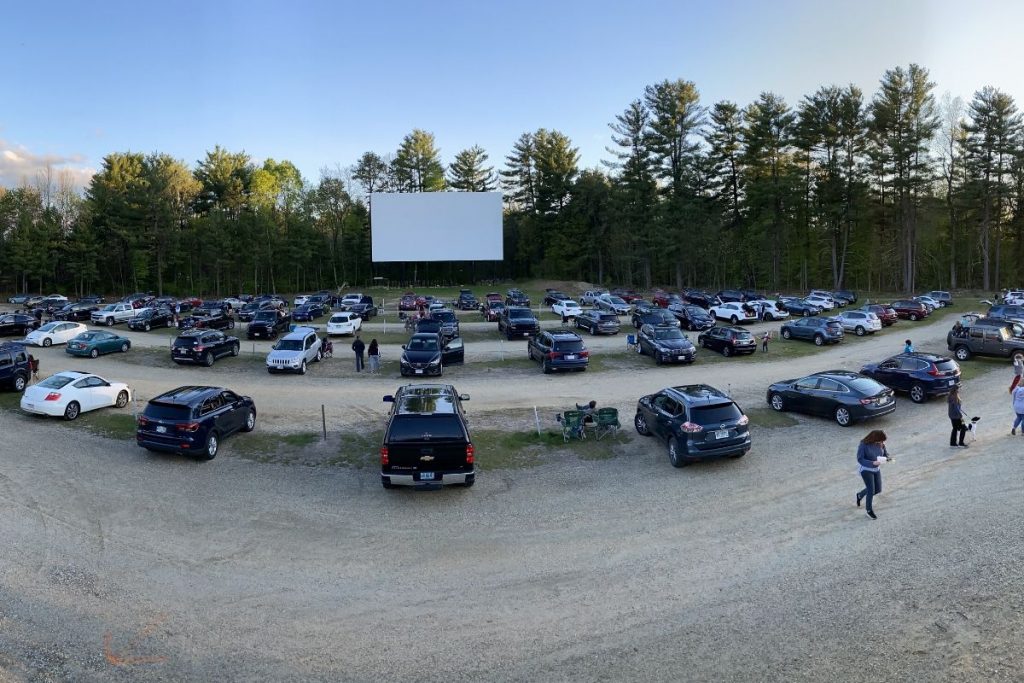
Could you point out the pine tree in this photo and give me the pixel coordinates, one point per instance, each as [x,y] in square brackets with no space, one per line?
[468,173]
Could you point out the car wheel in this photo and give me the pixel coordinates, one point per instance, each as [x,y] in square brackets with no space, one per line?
[913,317]
[843,416]
[545,367]
[675,455]
[110,322]
[124,347]
[860,331]
[819,340]
[806,313]
[1018,357]
[726,351]
[210,451]
[302,369]
[917,394]
[640,422]
[250,421]
[639,349]
[319,355]
[786,334]
[146,327]
[47,342]
[658,360]
[777,402]
[769,317]
[734,320]
[20,382]
[95,353]
[234,349]
[72,410]
[122,399]
[962,353]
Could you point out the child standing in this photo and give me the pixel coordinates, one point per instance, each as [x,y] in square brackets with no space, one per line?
[765,338]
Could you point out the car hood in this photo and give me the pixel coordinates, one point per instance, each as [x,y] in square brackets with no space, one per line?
[416,356]
[35,334]
[284,355]
[673,343]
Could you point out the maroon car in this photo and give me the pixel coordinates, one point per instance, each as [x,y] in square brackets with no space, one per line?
[911,310]
[627,295]
[887,315]
[407,302]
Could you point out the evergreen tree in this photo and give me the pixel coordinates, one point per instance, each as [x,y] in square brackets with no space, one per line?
[468,172]
[417,166]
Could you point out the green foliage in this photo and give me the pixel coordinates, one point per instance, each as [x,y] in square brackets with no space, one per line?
[417,165]
[468,172]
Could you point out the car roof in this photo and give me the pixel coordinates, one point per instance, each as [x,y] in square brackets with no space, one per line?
[73,373]
[413,399]
[930,357]
[563,334]
[837,374]
[187,395]
[299,333]
[698,394]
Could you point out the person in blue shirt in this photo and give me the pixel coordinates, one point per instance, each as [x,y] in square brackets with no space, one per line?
[871,454]
[908,347]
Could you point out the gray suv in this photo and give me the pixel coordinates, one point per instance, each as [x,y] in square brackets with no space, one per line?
[984,340]
[293,352]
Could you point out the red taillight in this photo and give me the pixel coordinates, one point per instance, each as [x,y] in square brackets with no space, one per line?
[384,456]
[934,371]
[553,355]
[199,349]
[866,401]
[188,427]
[52,396]
[584,354]
[143,421]
[691,427]
[469,454]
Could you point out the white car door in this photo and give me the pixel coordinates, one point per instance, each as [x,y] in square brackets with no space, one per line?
[103,395]
[82,393]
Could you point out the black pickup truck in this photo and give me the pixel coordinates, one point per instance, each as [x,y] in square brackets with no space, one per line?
[426,439]
[516,321]
[268,324]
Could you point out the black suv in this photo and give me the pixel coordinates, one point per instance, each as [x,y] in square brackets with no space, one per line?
[426,440]
[76,312]
[449,323]
[665,344]
[692,316]
[654,316]
[517,321]
[148,318]
[17,324]
[697,421]
[267,324]
[14,367]
[558,350]
[249,311]
[193,420]
[726,295]
[728,341]
[467,301]
[516,297]
[203,346]
[922,375]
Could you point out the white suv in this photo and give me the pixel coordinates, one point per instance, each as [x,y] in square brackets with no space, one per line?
[859,322]
[344,323]
[293,352]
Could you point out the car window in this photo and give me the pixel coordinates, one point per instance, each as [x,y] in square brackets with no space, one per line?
[95,382]
[228,397]
[865,385]
[722,412]
[5,360]
[569,346]
[825,384]
[806,383]
[911,364]
[82,383]
[667,405]
[454,344]
[889,365]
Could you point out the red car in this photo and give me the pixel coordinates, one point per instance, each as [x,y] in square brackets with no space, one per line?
[911,310]
[663,299]
[627,295]
[407,302]
[887,315]
[492,308]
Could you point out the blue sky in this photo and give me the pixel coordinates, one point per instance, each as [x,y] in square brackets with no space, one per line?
[319,83]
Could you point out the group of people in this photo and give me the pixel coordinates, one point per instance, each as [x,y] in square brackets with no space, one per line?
[373,351]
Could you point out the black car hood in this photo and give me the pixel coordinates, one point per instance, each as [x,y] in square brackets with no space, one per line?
[417,356]
[673,343]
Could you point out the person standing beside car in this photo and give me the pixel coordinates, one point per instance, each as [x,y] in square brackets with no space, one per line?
[871,453]
[1018,370]
[1018,408]
[358,346]
[374,353]
[955,410]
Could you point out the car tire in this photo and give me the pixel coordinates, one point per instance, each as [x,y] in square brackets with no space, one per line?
[769,317]
[962,353]
[913,317]
[95,353]
[734,320]
[319,354]
[125,346]
[212,446]
[545,367]
[658,360]
[640,423]
[918,394]
[110,322]
[726,351]
[231,324]
[20,382]
[819,340]
[122,399]
[786,334]
[302,368]
[386,483]
[208,359]
[806,313]
[777,403]
[72,411]
[843,417]
[250,422]
[1017,356]
[674,455]
[47,342]
[235,348]
[860,331]
[146,327]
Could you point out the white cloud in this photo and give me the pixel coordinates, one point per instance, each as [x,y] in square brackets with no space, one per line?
[20,166]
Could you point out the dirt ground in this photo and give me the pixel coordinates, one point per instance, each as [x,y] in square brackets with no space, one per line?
[124,565]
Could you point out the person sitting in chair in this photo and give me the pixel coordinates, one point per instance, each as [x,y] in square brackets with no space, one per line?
[588,410]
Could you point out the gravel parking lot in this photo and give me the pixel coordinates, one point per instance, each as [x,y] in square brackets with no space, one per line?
[125,565]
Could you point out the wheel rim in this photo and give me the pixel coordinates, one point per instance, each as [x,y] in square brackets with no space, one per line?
[785,334]
[122,399]
[916,394]
[819,341]
[19,383]
[47,341]
[776,402]
[124,348]
[234,350]
[71,412]
[303,367]
[250,422]
[860,331]
[961,354]
[147,327]
[211,445]
[208,359]
[94,353]
[913,317]
[726,351]
[843,416]
[641,424]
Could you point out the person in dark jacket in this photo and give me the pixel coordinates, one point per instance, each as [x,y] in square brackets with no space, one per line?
[358,346]
[374,353]
[956,418]
[871,454]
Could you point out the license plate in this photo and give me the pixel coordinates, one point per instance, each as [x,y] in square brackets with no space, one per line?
[419,372]
[526,334]
[426,476]
[722,434]
[571,356]
[952,382]
[885,399]
[161,429]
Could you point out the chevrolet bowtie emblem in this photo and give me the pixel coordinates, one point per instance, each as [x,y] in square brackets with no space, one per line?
[426,458]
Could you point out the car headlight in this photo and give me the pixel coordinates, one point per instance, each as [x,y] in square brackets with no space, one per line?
[405,361]
[435,361]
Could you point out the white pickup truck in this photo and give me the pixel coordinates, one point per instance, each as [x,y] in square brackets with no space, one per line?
[114,313]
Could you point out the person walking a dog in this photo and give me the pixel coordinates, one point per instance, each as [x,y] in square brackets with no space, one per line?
[955,410]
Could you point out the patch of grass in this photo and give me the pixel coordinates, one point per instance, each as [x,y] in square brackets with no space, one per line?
[10,400]
[979,366]
[112,425]
[769,419]
[498,450]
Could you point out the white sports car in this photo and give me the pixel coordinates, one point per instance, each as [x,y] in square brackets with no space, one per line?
[69,393]
[567,308]
[57,332]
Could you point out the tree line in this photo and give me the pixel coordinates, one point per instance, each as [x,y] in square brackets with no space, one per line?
[895,192]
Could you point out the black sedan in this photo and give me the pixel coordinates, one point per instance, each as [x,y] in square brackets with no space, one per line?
[17,324]
[700,298]
[665,344]
[798,307]
[427,354]
[76,312]
[845,396]
[307,313]
[203,346]
[728,341]
[692,317]
[364,311]
[922,375]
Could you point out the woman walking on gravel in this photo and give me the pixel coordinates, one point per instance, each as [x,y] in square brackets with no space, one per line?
[374,353]
[871,454]
[955,410]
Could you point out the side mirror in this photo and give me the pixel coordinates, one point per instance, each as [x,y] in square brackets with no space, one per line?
[463,397]
[403,347]
[389,399]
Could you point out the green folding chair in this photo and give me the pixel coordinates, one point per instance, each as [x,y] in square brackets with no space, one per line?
[606,421]
[572,425]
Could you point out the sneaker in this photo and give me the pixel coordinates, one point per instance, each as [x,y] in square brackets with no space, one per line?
[872,514]
[965,445]
[859,497]
[1013,431]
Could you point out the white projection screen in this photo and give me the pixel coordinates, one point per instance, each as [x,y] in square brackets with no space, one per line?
[436,226]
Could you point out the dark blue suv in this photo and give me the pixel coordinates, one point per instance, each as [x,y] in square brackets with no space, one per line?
[14,366]
[194,420]
[922,375]
[558,350]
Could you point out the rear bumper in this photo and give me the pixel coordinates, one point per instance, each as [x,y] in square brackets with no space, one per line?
[440,479]
[42,408]
[869,413]
[694,453]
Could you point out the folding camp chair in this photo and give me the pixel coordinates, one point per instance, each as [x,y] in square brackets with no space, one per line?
[572,425]
[607,420]
[631,342]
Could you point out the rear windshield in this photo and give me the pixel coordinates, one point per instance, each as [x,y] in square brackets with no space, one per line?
[609,317]
[721,412]
[520,313]
[55,381]
[570,346]
[865,385]
[743,336]
[423,344]
[340,319]
[945,365]
[166,411]
[833,324]
[616,300]
[186,341]
[425,427]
